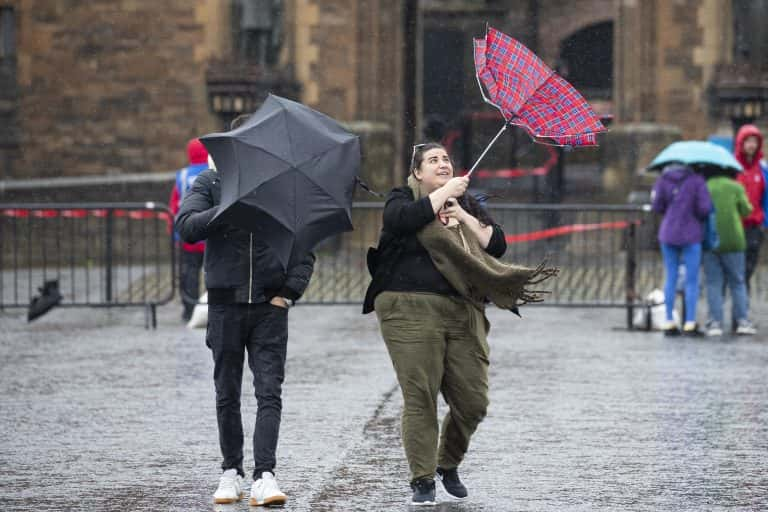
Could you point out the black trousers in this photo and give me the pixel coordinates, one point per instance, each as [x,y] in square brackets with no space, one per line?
[261,331]
[754,237]
[190,264]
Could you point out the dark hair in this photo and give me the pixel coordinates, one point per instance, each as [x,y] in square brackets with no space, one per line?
[239,121]
[711,171]
[418,153]
[471,205]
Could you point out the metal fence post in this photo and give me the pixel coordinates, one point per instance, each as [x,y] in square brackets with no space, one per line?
[631,271]
[109,228]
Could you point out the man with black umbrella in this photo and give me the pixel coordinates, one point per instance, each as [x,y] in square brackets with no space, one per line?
[249,294]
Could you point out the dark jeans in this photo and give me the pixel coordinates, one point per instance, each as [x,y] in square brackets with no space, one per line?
[189,280]
[754,240]
[262,331]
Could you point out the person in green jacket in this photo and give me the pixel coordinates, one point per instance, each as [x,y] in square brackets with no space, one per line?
[726,263]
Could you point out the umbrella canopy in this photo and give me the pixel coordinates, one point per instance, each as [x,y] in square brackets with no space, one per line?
[287,175]
[531,95]
[696,153]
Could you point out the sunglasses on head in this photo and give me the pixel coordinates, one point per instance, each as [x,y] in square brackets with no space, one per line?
[413,154]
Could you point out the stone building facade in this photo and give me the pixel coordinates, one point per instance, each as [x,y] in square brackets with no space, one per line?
[118,86]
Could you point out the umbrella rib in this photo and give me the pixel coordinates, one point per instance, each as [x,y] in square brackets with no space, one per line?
[286,161]
[288,133]
[294,166]
[237,160]
[313,181]
[265,150]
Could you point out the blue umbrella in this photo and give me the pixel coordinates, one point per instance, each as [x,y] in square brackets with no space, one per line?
[696,152]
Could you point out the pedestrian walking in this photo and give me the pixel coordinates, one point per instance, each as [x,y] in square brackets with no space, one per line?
[748,150]
[190,255]
[249,295]
[725,264]
[433,272]
[681,196]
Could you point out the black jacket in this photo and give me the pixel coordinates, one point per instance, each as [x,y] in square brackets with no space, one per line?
[401,263]
[239,268]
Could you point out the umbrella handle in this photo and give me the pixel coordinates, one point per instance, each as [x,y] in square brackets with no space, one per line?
[493,141]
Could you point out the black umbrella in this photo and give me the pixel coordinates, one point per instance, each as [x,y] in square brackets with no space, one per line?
[287,175]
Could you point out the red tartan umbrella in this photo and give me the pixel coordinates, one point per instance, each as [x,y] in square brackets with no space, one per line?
[531,95]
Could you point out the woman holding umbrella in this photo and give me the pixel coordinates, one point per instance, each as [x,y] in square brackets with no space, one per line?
[681,196]
[433,272]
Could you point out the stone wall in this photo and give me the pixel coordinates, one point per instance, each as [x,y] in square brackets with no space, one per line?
[118,86]
[666,53]
[346,56]
[97,189]
[109,85]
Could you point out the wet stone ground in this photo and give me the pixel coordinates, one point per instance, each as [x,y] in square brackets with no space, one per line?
[97,413]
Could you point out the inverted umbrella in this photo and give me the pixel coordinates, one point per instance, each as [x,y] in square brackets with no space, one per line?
[287,175]
[695,153]
[529,94]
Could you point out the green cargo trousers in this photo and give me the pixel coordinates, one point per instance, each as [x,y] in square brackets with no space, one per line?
[437,343]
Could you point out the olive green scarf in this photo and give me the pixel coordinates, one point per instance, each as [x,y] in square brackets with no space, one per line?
[474,273]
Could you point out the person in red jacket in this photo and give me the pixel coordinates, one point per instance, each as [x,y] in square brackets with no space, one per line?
[749,152]
[190,255]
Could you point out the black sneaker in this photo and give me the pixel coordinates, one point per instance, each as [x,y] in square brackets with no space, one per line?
[451,483]
[423,492]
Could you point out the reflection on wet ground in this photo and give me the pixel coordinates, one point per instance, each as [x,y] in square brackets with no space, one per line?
[100,414]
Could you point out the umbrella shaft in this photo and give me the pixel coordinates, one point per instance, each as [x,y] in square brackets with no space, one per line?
[493,141]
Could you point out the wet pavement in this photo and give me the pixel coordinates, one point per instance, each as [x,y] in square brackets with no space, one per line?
[97,413]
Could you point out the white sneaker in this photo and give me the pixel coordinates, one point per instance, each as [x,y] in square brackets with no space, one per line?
[265,491]
[746,327]
[230,487]
[714,329]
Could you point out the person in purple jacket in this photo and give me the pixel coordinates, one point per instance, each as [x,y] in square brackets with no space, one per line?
[681,196]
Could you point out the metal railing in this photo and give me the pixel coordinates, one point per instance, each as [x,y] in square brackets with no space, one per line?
[608,254]
[122,254]
[101,254]
[593,245]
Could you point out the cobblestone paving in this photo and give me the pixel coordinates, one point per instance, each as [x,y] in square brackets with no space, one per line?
[99,414]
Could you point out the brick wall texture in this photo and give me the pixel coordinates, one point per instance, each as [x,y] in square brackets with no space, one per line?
[119,85]
[108,85]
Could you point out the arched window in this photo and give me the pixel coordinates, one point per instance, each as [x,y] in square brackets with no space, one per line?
[586,60]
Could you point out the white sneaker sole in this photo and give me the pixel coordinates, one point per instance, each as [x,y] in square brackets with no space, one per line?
[224,501]
[272,501]
[424,504]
